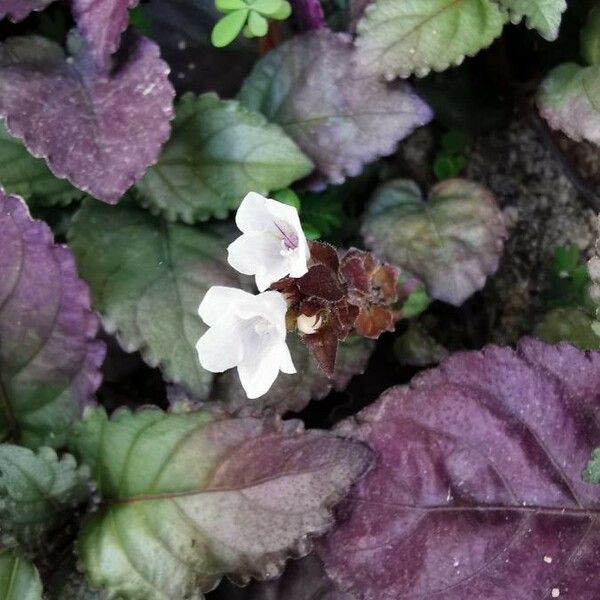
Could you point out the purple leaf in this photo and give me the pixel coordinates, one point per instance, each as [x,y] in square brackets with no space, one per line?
[99,132]
[478,491]
[308,14]
[342,121]
[17,10]
[102,22]
[49,358]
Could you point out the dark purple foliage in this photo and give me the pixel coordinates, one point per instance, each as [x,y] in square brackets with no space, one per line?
[102,22]
[17,10]
[308,14]
[98,131]
[49,357]
[478,493]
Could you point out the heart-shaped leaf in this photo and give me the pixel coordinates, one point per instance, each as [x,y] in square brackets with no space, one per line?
[218,152]
[49,359]
[19,579]
[294,392]
[569,99]
[149,294]
[100,132]
[37,490]
[406,37]
[543,15]
[102,22]
[29,177]
[342,121]
[452,241]
[17,10]
[302,580]
[189,498]
[477,492]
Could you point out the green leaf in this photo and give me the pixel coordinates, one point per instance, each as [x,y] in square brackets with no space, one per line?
[452,241]
[284,12]
[566,259]
[37,491]
[218,152]
[19,579]
[590,38]
[417,348]
[147,279]
[266,7]
[569,99]
[257,24]
[29,177]
[188,498]
[294,392]
[543,15]
[289,197]
[571,324]
[228,28]
[406,37]
[592,471]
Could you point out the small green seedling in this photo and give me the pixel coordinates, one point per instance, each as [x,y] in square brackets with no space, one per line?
[249,16]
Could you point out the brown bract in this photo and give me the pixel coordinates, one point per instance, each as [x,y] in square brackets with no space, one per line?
[354,292]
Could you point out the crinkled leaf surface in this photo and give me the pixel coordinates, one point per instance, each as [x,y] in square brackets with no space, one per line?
[569,99]
[102,22]
[147,279]
[477,492]
[294,392]
[218,152]
[100,132]
[29,177]
[341,120]
[37,490]
[543,15]
[19,579]
[452,241]
[190,498]
[49,358]
[17,10]
[302,580]
[406,37]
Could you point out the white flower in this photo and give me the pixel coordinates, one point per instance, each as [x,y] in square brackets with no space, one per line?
[273,244]
[247,332]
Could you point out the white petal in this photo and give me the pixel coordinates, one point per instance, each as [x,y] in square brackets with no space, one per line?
[220,300]
[252,214]
[286,363]
[219,348]
[269,305]
[298,263]
[252,252]
[257,374]
[270,271]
